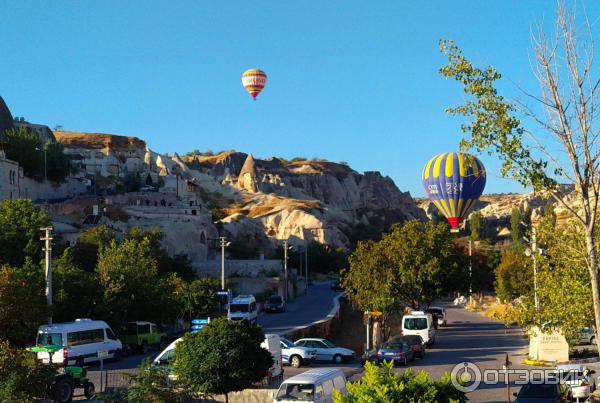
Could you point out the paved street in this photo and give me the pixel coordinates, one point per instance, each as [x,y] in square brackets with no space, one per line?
[305,309]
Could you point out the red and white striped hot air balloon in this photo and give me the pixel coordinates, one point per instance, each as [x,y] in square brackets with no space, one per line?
[254,80]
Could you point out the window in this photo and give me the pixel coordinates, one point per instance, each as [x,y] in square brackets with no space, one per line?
[110,334]
[85,337]
[302,343]
[296,391]
[415,323]
[144,329]
[318,391]
[49,339]
[238,308]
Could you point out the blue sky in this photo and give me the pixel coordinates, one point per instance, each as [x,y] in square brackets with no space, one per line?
[353,81]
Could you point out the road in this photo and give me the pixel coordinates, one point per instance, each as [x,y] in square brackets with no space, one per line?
[468,337]
[305,309]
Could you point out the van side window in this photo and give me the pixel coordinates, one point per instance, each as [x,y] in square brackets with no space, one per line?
[318,391]
[328,387]
[85,337]
[110,334]
[144,329]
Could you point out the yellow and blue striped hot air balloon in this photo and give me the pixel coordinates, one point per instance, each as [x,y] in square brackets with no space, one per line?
[454,181]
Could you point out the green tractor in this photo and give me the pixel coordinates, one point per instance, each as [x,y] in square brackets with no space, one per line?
[68,379]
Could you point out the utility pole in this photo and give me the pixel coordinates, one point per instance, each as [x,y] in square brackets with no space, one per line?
[224,244]
[306,268]
[285,269]
[533,253]
[470,276]
[48,254]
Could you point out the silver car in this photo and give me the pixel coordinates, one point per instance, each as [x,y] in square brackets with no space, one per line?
[587,336]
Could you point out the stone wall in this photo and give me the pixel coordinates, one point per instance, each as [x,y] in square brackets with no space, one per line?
[243,268]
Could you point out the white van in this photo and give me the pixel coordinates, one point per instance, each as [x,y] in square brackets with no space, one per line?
[421,324]
[316,386]
[272,344]
[243,308]
[81,341]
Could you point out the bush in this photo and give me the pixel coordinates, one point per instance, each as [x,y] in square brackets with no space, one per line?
[152,384]
[382,385]
[21,379]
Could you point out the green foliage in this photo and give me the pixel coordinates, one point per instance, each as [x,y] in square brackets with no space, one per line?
[514,275]
[517,230]
[20,223]
[75,291]
[478,226]
[132,288]
[85,251]
[22,302]
[27,148]
[326,259]
[196,298]
[412,265]
[245,247]
[382,385]
[225,357]
[152,384]
[132,182]
[492,128]
[21,380]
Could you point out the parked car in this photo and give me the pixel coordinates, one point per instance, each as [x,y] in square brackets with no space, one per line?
[140,336]
[587,336]
[326,351]
[397,351]
[421,324]
[79,342]
[275,304]
[243,308]
[336,285]
[316,385]
[438,313]
[147,188]
[543,393]
[296,356]
[579,379]
[415,342]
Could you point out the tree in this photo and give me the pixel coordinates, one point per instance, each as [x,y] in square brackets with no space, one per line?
[564,112]
[196,298]
[382,385]
[132,288]
[202,368]
[514,275]
[411,265]
[85,251]
[22,302]
[517,230]
[21,380]
[152,384]
[478,226]
[20,223]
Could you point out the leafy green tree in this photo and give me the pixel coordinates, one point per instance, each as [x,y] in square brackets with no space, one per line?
[132,182]
[382,385]
[132,288]
[21,380]
[517,230]
[75,291]
[478,226]
[411,265]
[202,368]
[514,275]
[58,164]
[152,384]
[86,249]
[567,107]
[196,298]
[22,302]
[20,223]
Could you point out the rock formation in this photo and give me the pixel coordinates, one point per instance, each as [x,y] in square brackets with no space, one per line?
[247,177]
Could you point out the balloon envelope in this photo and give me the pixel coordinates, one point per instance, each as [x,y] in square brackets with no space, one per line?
[454,181]
[254,80]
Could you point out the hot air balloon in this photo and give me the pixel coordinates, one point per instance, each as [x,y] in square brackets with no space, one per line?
[454,181]
[254,80]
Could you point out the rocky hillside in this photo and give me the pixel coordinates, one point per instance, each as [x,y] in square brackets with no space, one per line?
[6,119]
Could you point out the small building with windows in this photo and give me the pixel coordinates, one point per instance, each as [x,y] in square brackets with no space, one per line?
[11,176]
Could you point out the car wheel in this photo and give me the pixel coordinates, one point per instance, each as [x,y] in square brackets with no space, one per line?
[338,359]
[63,390]
[296,361]
[117,356]
[89,390]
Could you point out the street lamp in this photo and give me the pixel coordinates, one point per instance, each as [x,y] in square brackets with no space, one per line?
[286,248]
[531,252]
[223,243]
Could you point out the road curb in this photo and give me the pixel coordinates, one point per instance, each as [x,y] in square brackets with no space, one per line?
[330,316]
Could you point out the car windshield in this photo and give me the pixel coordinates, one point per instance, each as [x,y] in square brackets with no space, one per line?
[276,299]
[415,323]
[287,343]
[539,391]
[49,339]
[328,344]
[435,311]
[238,308]
[296,391]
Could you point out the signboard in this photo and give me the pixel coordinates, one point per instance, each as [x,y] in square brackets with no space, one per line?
[102,354]
[225,296]
[198,324]
[548,346]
